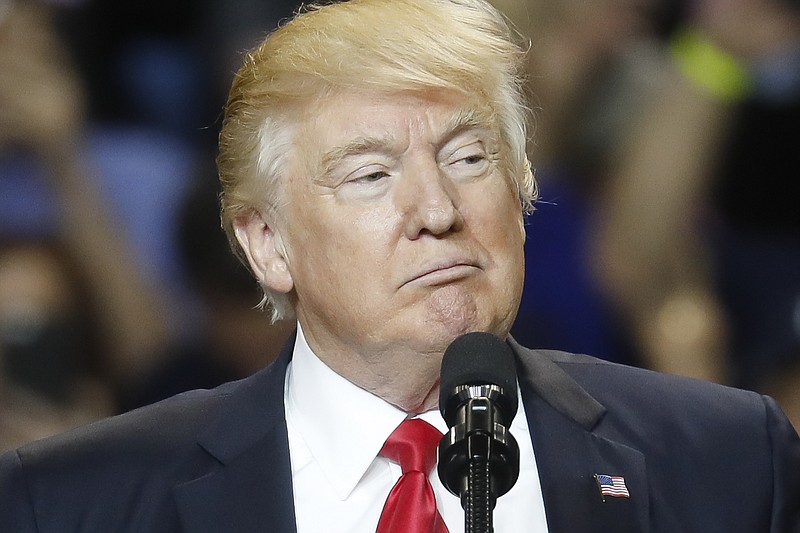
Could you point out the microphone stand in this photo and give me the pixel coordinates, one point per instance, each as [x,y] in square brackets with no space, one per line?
[477,500]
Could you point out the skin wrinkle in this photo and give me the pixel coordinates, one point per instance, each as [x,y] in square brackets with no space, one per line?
[453,308]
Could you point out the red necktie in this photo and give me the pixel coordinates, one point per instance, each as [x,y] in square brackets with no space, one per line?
[411,505]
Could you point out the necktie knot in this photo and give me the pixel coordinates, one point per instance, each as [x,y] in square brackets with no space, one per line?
[413,446]
[411,505]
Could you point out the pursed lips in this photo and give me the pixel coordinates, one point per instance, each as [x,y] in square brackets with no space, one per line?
[442,272]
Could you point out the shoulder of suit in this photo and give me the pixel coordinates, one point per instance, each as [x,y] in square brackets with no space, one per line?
[142,454]
[581,365]
[654,393]
[161,430]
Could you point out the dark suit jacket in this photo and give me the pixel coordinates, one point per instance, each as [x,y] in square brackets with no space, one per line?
[695,457]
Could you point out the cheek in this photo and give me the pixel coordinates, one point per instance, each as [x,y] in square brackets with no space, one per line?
[341,245]
[497,214]
[499,227]
[510,210]
[376,225]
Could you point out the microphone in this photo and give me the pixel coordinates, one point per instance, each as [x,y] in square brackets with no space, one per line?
[478,457]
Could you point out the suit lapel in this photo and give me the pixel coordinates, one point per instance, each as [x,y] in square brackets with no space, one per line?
[568,429]
[250,487]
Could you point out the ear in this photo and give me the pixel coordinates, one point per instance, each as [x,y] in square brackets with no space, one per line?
[263,246]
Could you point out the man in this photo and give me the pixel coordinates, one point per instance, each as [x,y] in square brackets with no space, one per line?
[375,180]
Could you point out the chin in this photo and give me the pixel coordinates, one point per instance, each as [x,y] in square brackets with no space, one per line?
[430,337]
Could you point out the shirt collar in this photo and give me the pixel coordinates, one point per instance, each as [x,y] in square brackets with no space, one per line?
[342,426]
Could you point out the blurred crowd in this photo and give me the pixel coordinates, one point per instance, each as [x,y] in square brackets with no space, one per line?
[665,143]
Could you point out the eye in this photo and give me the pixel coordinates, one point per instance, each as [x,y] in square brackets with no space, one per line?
[366,183]
[469,162]
[370,178]
[472,159]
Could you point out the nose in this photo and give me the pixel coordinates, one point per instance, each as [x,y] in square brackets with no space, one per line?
[429,202]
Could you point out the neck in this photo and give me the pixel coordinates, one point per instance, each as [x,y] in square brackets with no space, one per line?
[409,381]
[405,378]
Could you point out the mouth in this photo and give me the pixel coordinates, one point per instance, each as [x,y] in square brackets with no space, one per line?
[442,273]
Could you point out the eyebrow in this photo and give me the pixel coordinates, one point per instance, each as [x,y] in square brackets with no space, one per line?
[465,119]
[356,146]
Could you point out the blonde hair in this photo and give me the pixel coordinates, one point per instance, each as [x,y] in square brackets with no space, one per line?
[378,45]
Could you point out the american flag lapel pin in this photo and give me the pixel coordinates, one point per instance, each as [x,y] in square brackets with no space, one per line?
[613,486]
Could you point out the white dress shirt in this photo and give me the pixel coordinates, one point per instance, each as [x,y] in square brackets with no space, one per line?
[336,431]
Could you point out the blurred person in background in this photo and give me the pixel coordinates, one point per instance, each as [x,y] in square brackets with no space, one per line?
[582,105]
[235,339]
[668,180]
[106,117]
[210,36]
[157,75]
[62,230]
[697,231]
[52,375]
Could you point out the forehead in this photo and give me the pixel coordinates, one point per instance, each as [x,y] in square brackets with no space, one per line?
[350,119]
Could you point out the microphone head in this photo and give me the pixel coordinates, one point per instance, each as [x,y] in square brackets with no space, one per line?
[478,358]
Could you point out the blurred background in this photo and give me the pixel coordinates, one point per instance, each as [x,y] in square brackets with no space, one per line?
[665,142]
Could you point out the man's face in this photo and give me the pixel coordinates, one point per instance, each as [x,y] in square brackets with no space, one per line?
[400,231]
